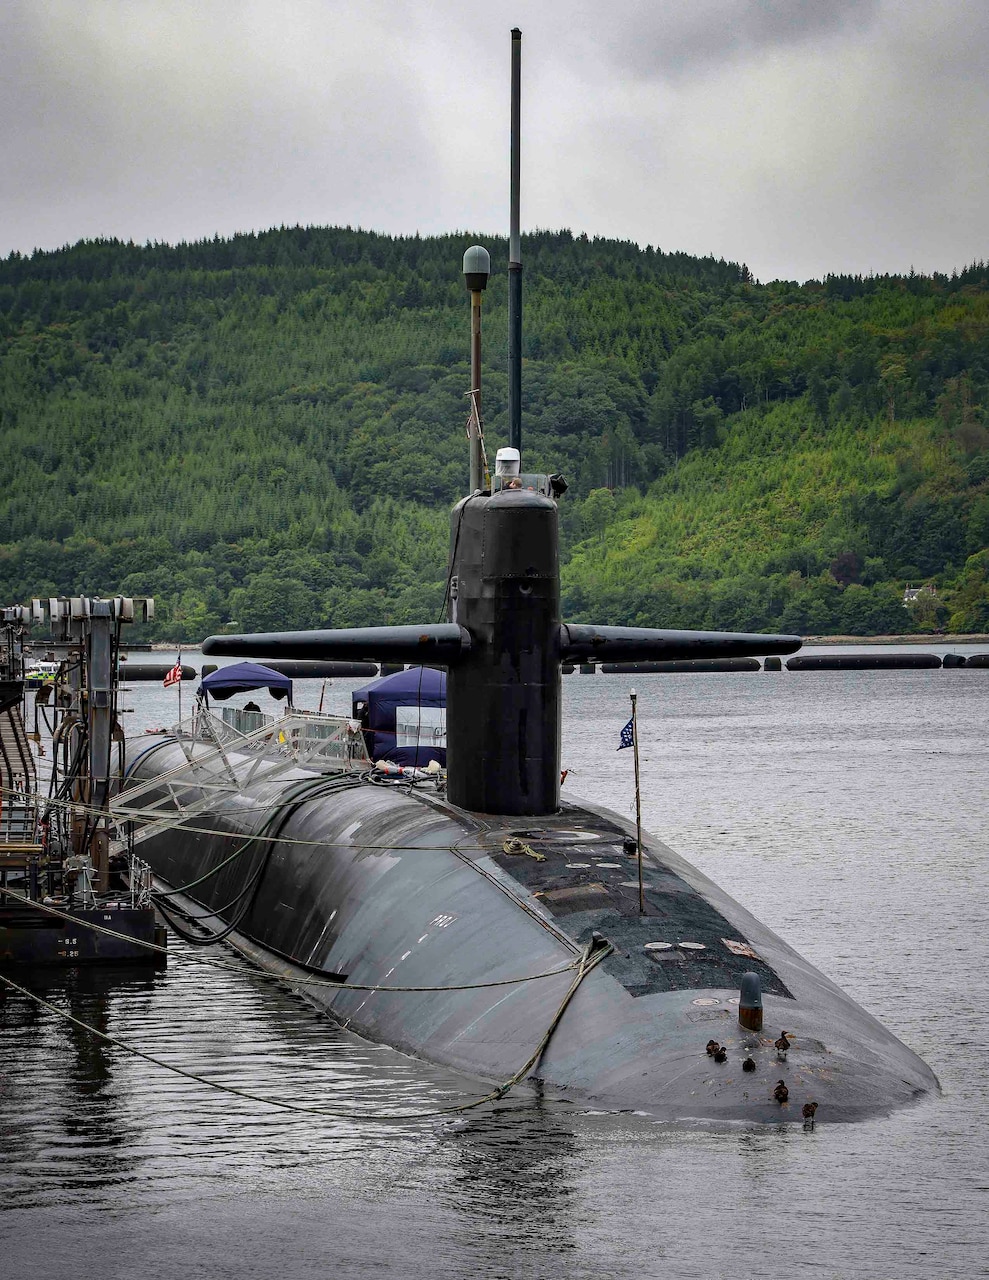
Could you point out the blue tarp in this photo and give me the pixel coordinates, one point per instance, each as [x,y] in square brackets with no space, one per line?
[242,677]
[419,686]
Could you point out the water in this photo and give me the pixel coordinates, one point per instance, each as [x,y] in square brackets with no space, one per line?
[844,808]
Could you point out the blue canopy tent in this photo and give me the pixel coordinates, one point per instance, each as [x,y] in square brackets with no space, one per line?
[243,677]
[403,716]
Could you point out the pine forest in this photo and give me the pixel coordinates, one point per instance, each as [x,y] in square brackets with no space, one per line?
[268,432]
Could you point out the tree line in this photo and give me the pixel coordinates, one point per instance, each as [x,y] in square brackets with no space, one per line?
[268,430]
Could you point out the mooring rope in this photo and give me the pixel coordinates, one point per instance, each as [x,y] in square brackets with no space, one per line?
[595,951]
[179,822]
[285,979]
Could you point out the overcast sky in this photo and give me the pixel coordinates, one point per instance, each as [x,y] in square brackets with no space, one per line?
[798,136]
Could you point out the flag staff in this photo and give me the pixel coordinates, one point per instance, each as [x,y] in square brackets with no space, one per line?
[175,676]
[638,802]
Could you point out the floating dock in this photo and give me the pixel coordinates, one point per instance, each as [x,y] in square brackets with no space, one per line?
[63,898]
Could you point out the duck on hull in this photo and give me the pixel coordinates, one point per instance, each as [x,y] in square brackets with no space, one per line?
[376,887]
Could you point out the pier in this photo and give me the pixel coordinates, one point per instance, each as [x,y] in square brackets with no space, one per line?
[64,899]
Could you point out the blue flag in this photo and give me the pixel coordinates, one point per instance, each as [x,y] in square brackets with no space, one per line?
[627,739]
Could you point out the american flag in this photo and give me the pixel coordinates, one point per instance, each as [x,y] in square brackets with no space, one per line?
[174,676]
[628,736]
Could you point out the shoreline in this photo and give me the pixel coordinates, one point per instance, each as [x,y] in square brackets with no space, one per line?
[975,638]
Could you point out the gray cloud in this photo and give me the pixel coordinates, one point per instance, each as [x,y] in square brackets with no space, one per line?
[192,121]
[800,137]
[686,39]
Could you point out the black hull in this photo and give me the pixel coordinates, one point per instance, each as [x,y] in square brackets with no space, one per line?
[383,888]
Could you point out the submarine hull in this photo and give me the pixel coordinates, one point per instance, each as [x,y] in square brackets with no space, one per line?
[375,886]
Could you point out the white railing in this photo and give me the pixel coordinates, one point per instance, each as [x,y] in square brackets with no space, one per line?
[308,737]
[139,878]
[220,763]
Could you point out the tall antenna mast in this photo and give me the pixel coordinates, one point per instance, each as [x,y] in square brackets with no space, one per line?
[477,268]
[515,259]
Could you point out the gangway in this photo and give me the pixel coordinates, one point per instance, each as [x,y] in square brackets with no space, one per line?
[209,775]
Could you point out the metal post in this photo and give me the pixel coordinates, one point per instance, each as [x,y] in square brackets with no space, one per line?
[477,268]
[515,258]
[100,712]
[476,459]
[750,1002]
[638,803]
[79,789]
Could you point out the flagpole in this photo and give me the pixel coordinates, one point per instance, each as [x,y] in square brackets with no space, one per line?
[638,804]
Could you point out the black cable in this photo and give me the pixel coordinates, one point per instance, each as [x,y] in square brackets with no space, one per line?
[311,789]
[332,784]
[68,768]
[197,940]
[182,889]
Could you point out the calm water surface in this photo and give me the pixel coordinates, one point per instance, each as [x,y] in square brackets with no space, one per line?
[846,809]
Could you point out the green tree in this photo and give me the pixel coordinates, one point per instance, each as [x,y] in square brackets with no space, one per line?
[598,512]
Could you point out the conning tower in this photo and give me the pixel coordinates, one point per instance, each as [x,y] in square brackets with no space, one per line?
[503,705]
[504,642]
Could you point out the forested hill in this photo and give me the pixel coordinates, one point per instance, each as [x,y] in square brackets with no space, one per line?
[268,432]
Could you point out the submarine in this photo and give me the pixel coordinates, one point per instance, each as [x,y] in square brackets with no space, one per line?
[488,925]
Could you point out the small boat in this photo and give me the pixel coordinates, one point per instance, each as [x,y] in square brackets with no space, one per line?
[37,674]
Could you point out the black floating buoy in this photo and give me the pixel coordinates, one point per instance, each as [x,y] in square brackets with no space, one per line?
[977,660]
[750,1002]
[154,671]
[681,664]
[864,662]
[772,664]
[587,668]
[953,660]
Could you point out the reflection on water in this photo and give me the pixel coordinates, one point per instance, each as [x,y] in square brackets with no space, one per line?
[72,1093]
[846,809]
[517,1175]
